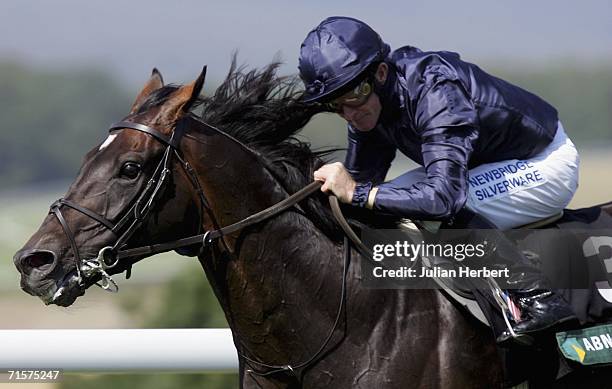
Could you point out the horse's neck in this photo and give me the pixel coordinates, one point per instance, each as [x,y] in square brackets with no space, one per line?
[234,181]
[276,263]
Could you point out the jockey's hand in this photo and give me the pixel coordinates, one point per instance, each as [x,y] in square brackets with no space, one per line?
[337,180]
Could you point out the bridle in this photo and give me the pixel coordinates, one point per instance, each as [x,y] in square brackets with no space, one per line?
[136,214]
[108,257]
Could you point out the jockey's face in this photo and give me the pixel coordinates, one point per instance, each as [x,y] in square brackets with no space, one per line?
[365,116]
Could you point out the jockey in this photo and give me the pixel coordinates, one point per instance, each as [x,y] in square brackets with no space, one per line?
[485,146]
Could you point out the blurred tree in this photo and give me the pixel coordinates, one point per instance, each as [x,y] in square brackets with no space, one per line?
[581,94]
[50,120]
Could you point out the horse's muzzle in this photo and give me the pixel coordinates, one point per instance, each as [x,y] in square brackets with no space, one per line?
[40,275]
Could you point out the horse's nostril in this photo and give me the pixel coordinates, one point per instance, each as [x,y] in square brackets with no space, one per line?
[40,260]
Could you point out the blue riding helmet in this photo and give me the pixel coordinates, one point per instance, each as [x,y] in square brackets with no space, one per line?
[335,53]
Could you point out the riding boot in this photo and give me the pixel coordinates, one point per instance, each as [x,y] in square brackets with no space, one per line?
[527,288]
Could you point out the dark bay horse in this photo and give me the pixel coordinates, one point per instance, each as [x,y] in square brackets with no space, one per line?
[279,282]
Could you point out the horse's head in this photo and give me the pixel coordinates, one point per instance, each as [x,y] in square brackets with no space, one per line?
[128,188]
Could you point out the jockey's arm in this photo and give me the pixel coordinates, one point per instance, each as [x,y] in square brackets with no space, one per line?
[444,190]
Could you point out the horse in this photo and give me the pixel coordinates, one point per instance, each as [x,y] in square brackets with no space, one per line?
[292,296]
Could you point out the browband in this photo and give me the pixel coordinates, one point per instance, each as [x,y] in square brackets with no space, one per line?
[172,142]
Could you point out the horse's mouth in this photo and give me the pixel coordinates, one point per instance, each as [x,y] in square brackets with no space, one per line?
[67,291]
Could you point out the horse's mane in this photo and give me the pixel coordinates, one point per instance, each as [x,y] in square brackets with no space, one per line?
[263,111]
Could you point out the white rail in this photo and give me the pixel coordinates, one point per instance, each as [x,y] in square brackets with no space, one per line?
[167,350]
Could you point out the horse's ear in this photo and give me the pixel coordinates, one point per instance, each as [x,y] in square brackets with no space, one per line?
[155,82]
[196,89]
[184,98]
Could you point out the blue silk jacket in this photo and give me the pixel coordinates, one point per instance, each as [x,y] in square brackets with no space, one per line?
[449,116]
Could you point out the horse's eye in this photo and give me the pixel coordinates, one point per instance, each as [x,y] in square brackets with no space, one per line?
[130,170]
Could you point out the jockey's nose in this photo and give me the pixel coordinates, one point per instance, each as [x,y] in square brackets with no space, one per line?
[41,262]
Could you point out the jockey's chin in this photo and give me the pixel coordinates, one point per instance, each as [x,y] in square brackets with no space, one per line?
[365,123]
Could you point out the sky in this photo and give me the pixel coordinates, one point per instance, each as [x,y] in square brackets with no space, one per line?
[129,38]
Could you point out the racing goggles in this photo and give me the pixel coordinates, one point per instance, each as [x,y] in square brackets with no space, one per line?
[354,98]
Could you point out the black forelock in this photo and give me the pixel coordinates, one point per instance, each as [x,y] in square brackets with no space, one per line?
[264,111]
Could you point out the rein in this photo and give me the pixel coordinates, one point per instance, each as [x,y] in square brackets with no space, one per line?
[211,235]
[110,256]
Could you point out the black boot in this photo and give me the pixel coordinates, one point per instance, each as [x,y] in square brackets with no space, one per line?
[540,308]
